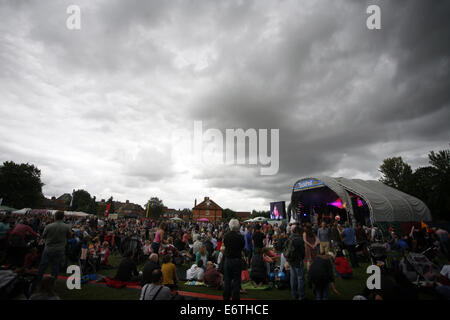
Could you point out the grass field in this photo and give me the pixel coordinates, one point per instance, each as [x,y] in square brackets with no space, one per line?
[347,288]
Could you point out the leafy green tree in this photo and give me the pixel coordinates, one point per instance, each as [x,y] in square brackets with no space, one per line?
[112,209]
[439,193]
[156,207]
[431,184]
[228,214]
[264,214]
[101,208]
[397,174]
[186,212]
[20,185]
[82,201]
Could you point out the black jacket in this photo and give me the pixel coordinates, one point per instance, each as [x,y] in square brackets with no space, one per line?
[299,253]
[126,270]
[147,272]
[320,272]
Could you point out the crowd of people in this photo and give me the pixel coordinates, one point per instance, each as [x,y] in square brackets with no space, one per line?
[220,255]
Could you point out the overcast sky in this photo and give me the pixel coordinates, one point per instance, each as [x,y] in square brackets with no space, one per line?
[96,108]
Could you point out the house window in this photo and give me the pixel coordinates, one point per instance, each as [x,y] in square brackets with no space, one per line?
[207,212]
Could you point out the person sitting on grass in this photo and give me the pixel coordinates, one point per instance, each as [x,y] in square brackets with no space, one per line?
[155,290]
[202,254]
[195,272]
[127,271]
[150,265]
[169,272]
[45,290]
[146,249]
[104,255]
[342,265]
[212,277]
[258,274]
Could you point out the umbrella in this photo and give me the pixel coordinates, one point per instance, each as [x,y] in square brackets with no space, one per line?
[260,219]
[202,220]
[176,219]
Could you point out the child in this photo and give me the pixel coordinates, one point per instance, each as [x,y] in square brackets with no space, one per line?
[104,254]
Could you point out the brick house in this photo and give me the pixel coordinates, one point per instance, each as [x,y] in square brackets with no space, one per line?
[243,215]
[207,209]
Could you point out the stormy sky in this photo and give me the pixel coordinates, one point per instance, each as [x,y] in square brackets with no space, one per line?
[98,108]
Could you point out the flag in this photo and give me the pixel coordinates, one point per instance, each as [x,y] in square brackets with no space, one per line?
[148,208]
[107,209]
[71,200]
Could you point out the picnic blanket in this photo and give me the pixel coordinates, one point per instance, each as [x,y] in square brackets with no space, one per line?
[114,283]
[195,283]
[249,286]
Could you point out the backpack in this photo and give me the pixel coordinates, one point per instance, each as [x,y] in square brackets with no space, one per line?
[289,250]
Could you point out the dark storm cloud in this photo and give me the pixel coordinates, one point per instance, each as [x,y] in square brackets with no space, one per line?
[336,89]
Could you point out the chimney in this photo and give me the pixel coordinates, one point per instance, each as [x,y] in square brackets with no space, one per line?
[127,202]
[195,203]
[206,198]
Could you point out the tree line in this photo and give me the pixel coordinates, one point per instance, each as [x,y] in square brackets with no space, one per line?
[431,183]
[21,187]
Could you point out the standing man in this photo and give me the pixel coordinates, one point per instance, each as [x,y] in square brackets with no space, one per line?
[349,237]
[323,233]
[56,236]
[234,246]
[258,237]
[294,253]
[249,243]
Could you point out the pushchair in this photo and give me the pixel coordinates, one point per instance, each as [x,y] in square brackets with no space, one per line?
[426,271]
[378,254]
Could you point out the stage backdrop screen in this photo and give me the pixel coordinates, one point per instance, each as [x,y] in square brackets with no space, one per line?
[278,210]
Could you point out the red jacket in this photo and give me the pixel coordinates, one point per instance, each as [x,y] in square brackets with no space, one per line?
[342,265]
[22,230]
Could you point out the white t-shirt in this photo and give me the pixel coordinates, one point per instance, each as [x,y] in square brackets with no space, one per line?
[195,273]
[445,272]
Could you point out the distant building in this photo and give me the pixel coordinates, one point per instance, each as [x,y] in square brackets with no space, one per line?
[171,213]
[243,215]
[207,209]
[129,209]
[61,203]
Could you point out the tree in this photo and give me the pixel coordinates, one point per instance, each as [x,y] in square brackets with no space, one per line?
[228,214]
[264,214]
[20,185]
[82,201]
[112,209]
[397,174]
[430,184]
[156,207]
[439,196]
[186,212]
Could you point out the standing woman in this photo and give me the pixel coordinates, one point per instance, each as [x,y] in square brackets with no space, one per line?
[159,237]
[311,243]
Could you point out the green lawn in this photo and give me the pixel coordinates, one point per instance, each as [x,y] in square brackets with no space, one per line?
[347,288]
